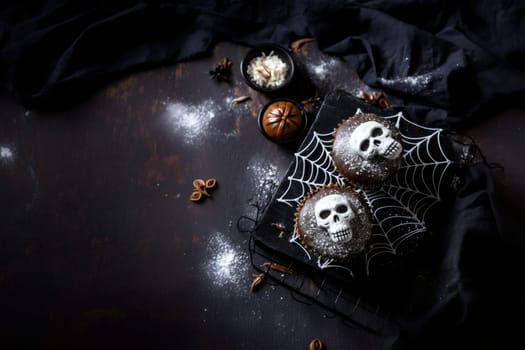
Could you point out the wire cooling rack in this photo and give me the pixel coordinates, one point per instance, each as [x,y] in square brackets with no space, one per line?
[401,210]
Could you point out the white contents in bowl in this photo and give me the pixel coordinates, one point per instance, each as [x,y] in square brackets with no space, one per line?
[267,70]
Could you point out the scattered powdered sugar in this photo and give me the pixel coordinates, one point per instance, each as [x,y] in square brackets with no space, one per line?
[410,83]
[6,153]
[323,68]
[264,177]
[228,263]
[328,73]
[231,106]
[192,122]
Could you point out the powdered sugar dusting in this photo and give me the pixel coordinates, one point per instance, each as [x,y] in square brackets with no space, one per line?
[409,83]
[228,263]
[264,177]
[323,68]
[328,73]
[237,107]
[195,123]
[192,122]
[6,154]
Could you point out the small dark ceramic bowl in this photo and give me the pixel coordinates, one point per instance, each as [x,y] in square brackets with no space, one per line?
[267,49]
[297,134]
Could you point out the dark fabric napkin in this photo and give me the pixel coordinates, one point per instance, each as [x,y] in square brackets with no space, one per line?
[445,59]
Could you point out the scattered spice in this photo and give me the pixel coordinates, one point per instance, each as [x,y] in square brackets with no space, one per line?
[277,267]
[310,103]
[296,44]
[257,281]
[240,99]
[376,97]
[280,227]
[195,196]
[201,187]
[259,278]
[315,344]
[311,100]
[454,184]
[222,70]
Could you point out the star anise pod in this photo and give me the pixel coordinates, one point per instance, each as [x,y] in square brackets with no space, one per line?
[222,70]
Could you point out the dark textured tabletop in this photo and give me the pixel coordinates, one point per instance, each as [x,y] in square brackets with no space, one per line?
[100,246]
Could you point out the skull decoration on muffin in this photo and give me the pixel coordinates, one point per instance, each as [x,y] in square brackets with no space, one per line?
[334,222]
[367,149]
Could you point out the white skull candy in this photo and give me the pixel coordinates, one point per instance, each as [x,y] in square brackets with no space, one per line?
[333,213]
[372,138]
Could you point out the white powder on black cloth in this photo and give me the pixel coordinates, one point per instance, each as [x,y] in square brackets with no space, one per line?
[324,68]
[410,83]
[330,72]
[264,177]
[6,154]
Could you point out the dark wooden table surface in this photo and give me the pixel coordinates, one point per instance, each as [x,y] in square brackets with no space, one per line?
[100,246]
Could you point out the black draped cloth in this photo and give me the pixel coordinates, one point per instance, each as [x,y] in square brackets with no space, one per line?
[446,61]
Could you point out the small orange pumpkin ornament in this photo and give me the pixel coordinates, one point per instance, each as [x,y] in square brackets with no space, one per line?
[282,120]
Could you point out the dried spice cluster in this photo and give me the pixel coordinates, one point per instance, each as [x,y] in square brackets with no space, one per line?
[201,187]
[223,70]
[259,278]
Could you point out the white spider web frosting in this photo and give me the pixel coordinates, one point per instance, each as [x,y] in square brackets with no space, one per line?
[399,207]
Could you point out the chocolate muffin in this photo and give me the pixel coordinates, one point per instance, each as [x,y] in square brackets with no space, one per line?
[334,222]
[282,120]
[367,149]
